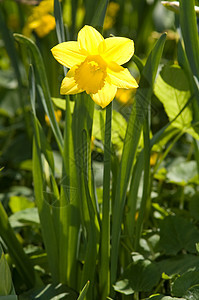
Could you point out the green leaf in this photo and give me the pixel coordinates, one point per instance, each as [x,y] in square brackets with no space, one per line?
[173,91]
[192,293]
[162,297]
[42,85]
[5,276]
[185,282]
[175,6]
[15,249]
[28,216]
[183,173]
[51,292]
[83,291]
[176,234]
[178,264]
[59,21]
[194,206]
[134,127]
[149,275]
[189,29]
[99,15]
[18,203]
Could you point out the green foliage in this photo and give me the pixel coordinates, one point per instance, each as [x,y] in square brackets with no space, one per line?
[100,204]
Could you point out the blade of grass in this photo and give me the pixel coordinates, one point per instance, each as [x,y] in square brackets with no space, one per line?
[135,124]
[104,271]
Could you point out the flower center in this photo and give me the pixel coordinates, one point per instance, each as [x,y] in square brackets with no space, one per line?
[90,75]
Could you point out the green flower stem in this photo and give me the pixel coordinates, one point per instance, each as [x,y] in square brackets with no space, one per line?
[105,230]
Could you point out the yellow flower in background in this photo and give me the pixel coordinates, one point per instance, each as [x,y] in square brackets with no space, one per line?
[41,21]
[95,65]
[58,115]
[111,14]
[124,96]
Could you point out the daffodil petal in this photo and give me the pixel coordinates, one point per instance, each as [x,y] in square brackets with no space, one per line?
[117,49]
[69,85]
[89,39]
[68,54]
[104,96]
[121,77]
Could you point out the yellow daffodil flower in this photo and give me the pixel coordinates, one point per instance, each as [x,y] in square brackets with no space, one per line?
[95,65]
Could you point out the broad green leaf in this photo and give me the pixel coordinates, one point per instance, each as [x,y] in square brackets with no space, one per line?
[18,203]
[173,91]
[194,206]
[162,297]
[182,173]
[185,282]
[192,293]
[28,216]
[178,264]
[176,234]
[149,275]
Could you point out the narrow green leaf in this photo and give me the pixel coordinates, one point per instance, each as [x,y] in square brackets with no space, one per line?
[59,25]
[42,85]
[189,29]
[135,124]
[16,251]
[83,291]
[59,21]
[44,209]
[99,15]
[5,275]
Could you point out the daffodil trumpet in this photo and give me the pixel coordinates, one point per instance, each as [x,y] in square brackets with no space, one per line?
[95,65]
